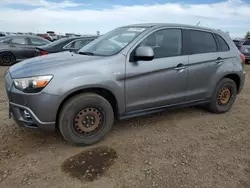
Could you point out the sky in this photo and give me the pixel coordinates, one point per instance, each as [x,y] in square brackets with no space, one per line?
[89,16]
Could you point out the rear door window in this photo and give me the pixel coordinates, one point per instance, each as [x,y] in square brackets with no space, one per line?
[38,42]
[202,42]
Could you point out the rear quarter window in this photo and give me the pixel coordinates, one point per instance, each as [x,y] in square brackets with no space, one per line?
[223,46]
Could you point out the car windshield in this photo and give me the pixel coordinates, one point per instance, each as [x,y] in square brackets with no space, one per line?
[112,42]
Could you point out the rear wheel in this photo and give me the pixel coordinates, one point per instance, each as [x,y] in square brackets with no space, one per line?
[247,61]
[7,59]
[85,119]
[223,96]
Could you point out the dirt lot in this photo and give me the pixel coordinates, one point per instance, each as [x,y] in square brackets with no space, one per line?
[181,148]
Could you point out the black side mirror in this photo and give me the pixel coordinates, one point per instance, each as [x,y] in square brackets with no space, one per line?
[144,53]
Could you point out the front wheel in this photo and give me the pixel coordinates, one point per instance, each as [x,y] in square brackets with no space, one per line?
[223,96]
[85,119]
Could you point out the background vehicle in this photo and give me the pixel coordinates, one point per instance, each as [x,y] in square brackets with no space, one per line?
[2,34]
[130,71]
[65,44]
[45,36]
[238,42]
[52,35]
[245,49]
[17,48]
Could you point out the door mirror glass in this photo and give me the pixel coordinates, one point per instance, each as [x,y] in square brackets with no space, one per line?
[144,53]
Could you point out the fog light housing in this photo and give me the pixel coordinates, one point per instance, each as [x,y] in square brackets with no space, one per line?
[26,114]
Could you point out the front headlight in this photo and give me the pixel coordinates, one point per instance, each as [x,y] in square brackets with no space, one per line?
[32,84]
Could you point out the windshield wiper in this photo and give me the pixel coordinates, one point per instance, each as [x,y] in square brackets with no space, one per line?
[86,53]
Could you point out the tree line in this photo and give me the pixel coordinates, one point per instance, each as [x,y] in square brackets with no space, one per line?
[247,35]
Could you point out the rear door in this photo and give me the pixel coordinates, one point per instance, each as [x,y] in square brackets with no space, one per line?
[204,60]
[35,42]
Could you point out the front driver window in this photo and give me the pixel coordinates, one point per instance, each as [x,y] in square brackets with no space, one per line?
[18,40]
[165,43]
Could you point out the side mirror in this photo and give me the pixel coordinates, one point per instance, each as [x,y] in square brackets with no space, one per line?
[144,53]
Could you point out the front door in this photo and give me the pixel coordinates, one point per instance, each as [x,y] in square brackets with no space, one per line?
[162,81]
[21,47]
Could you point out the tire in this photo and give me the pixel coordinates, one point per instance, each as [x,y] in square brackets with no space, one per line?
[247,61]
[7,59]
[216,106]
[72,129]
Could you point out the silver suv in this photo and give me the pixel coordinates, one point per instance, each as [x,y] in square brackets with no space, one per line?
[130,71]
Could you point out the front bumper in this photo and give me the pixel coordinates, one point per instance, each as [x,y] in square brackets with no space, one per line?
[24,117]
[31,110]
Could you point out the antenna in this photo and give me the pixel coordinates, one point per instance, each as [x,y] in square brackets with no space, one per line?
[198,23]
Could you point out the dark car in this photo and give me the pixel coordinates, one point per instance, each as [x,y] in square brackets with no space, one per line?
[17,48]
[245,49]
[2,34]
[65,44]
[238,43]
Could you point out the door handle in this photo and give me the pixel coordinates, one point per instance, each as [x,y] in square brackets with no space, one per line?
[219,60]
[180,67]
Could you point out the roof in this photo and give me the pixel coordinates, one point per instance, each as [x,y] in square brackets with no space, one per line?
[82,37]
[169,25]
[34,36]
[88,36]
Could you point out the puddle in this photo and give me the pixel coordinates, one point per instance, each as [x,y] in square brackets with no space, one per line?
[91,164]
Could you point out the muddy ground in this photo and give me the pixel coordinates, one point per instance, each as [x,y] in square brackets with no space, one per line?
[182,148]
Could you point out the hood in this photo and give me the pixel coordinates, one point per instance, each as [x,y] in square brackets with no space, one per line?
[48,63]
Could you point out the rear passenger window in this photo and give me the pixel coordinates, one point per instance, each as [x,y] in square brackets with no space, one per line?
[222,43]
[202,42]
